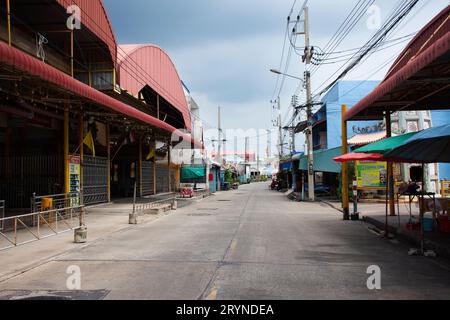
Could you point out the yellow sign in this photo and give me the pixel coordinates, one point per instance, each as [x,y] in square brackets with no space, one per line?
[371,174]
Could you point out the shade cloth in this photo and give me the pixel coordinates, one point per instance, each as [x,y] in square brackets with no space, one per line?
[428,146]
[385,145]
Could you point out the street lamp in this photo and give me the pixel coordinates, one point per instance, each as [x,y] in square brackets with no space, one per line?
[285,74]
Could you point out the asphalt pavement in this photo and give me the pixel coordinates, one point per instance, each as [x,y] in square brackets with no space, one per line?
[251,243]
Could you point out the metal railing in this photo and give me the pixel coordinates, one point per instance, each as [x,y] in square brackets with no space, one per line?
[142,207]
[57,201]
[27,228]
[2,213]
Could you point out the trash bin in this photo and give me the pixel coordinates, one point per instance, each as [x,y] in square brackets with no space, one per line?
[428,224]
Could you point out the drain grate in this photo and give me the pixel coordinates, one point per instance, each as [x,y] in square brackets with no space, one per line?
[207,209]
[199,215]
[224,200]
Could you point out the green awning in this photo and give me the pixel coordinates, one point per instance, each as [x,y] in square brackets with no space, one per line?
[386,145]
[323,161]
[193,172]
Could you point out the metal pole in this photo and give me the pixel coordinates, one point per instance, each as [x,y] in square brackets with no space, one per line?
[345,185]
[72,53]
[8,13]
[140,167]
[157,106]
[108,155]
[81,147]
[219,137]
[134,197]
[280,131]
[168,163]
[257,155]
[66,151]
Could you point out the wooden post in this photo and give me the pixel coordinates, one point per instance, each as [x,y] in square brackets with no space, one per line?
[345,182]
[108,155]
[390,170]
[66,151]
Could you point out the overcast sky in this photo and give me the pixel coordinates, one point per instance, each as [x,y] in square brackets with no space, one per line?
[223,49]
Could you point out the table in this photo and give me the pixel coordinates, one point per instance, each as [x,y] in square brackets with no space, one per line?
[418,195]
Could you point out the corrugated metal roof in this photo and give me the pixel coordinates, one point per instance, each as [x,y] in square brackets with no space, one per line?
[419,77]
[362,139]
[95,18]
[147,64]
[35,67]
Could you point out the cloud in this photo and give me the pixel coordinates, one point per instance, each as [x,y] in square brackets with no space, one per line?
[223,49]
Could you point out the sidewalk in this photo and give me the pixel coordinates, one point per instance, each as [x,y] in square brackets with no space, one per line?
[375,214]
[102,221]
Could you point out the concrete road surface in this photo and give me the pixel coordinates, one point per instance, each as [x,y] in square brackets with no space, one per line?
[247,244]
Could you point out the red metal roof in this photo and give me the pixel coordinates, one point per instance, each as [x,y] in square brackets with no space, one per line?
[418,80]
[95,18]
[146,64]
[29,64]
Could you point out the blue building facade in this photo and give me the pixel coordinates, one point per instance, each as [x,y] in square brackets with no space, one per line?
[440,118]
[327,133]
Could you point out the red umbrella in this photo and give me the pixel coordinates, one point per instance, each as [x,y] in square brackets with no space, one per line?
[360,157]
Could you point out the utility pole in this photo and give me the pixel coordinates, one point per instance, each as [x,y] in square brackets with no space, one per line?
[257,154]
[219,137]
[235,149]
[280,130]
[246,156]
[309,133]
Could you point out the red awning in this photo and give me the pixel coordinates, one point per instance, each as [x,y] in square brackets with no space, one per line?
[418,80]
[35,67]
[359,157]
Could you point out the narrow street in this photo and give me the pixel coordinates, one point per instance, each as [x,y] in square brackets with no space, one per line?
[247,244]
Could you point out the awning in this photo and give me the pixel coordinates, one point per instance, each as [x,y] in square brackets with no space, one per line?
[363,139]
[287,166]
[33,66]
[428,146]
[297,156]
[193,172]
[386,145]
[359,157]
[418,80]
[323,161]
